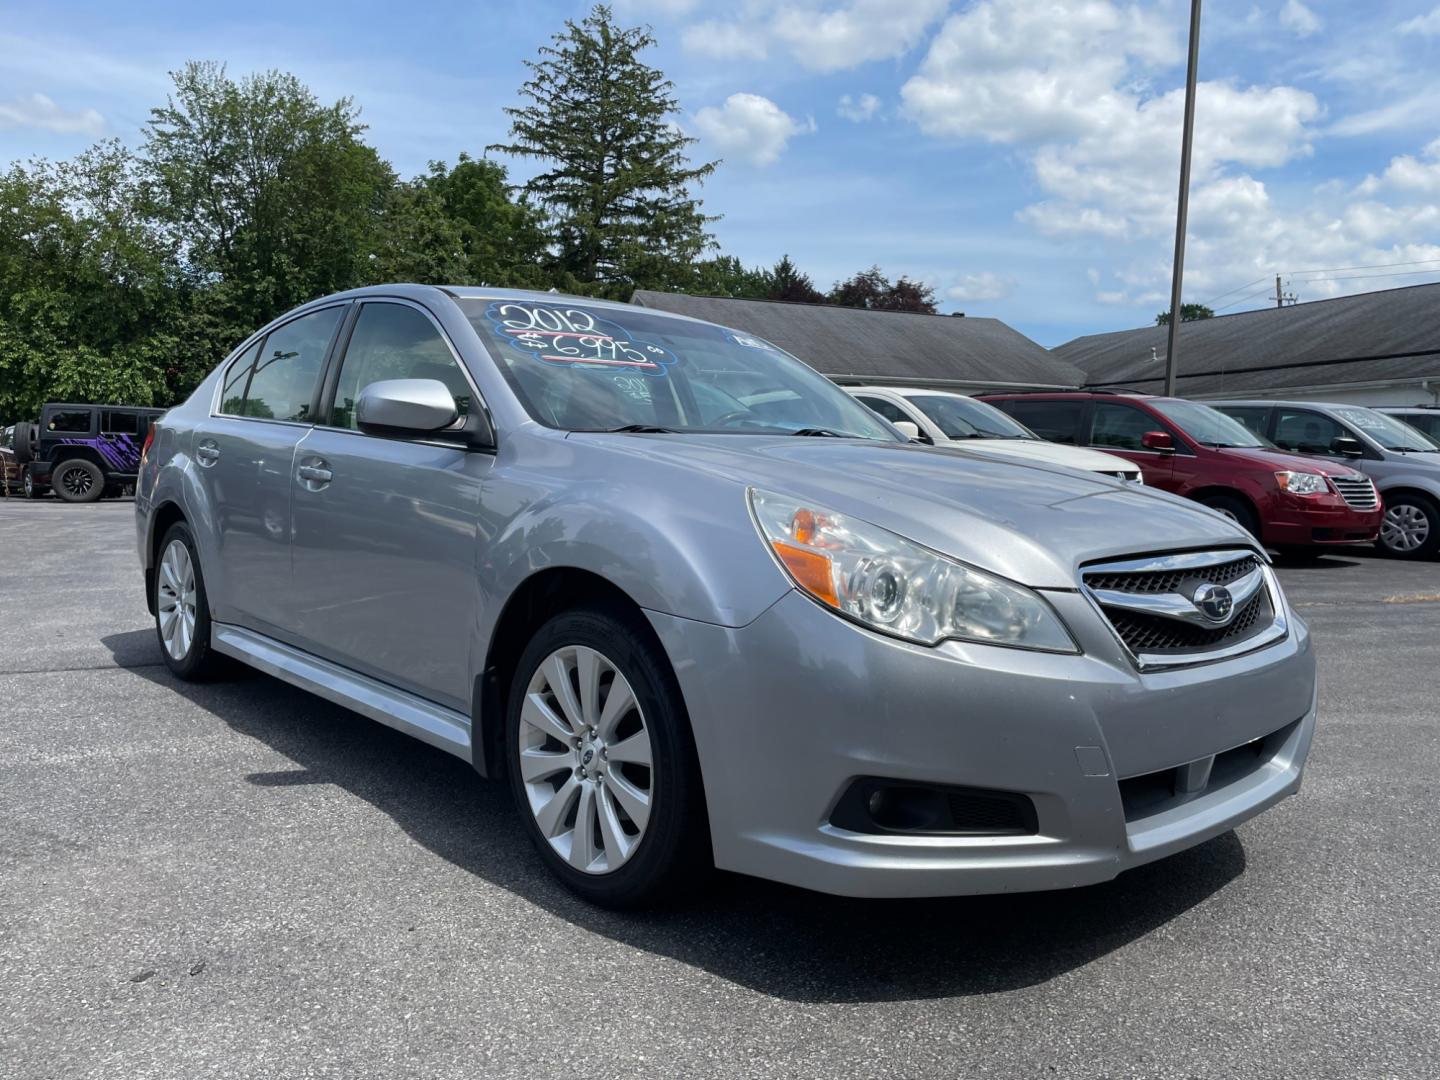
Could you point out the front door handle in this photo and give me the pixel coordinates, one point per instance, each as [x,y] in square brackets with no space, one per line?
[315,474]
[207,452]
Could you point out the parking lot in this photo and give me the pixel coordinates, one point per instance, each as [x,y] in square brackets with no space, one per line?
[239,879]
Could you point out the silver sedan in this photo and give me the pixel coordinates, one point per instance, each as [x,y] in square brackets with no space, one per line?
[700,608]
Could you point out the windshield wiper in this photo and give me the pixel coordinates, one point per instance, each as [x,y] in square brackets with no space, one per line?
[827,433]
[637,429]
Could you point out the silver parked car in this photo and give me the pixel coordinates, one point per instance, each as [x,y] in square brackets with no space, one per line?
[702,608]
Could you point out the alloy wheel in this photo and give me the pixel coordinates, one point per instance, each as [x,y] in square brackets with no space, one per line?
[585,759]
[175,600]
[1406,527]
[77,481]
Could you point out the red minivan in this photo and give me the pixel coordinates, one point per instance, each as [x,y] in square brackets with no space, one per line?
[1196,451]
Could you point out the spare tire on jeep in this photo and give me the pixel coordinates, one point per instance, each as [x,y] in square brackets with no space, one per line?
[26,436]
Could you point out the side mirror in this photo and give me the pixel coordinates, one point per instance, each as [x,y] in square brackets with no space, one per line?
[417,407]
[1158,440]
[908,428]
[1346,446]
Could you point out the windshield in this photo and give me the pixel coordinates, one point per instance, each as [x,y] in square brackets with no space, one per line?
[966,418]
[1390,433]
[584,368]
[1207,426]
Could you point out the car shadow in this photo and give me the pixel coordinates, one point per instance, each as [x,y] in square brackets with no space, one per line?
[777,940]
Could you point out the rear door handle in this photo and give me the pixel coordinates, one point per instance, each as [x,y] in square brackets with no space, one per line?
[207,452]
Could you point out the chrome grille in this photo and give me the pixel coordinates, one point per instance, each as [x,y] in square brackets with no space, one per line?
[1166,609]
[1358,492]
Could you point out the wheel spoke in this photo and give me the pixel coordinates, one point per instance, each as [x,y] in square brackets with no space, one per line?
[588,668]
[538,714]
[617,844]
[619,702]
[558,676]
[582,838]
[167,572]
[635,801]
[536,765]
[551,815]
[635,750]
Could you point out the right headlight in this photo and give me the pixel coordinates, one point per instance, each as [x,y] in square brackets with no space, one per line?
[894,585]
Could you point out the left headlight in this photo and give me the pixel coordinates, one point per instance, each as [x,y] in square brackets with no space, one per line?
[1301,483]
[896,586]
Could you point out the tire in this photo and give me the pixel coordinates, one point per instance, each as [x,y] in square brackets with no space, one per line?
[192,659]
[24,444]
[1237,510]
[647,838]
[27,485]
[76,480]
[1411,527]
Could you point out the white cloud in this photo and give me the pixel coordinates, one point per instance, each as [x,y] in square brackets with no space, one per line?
[38,111]
[1019,71]
[858,109]
[1299,19]
[819,37]
[1427,25]
[985,285]
[750,128]
[1408,173]
[724,41]
[667,8]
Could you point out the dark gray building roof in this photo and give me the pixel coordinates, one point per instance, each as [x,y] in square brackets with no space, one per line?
[873,346]
[1383,336]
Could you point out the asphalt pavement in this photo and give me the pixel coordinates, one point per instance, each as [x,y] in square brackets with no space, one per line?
[238,879]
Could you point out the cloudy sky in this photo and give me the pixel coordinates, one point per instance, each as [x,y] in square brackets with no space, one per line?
[1019,155]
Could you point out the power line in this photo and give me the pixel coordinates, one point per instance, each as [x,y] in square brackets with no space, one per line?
[1364,277]
[1329,270]
[1372,266]
[1263,292]
[1247,285]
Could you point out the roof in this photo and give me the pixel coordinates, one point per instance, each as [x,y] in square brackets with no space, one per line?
[1381,336]
[853,343]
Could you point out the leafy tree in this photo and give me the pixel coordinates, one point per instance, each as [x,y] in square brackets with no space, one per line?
[86,285]
[725,275]
[273,196]
[1188,313]
[787,282]
[502,237]
[617,180]
[417,240]
[871,289]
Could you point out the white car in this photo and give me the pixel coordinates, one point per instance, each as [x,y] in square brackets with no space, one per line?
[939,417]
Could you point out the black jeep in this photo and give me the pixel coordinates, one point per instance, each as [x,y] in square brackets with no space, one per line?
[81,452]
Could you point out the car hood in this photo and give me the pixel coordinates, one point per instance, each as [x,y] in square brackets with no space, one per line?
[1278,459]
[1031,523]
[1072,457]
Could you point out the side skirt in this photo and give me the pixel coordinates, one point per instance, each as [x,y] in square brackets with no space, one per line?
[426,721]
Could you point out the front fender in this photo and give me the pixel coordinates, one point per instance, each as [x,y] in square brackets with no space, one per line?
[704,569]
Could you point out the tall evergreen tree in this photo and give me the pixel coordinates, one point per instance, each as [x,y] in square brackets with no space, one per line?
[788,282]
[617,179]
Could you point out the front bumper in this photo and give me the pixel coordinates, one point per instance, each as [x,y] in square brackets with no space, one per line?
[790,709]
[1321,521]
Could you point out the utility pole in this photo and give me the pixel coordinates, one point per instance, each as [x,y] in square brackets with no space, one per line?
[1182,209]
[1281,297]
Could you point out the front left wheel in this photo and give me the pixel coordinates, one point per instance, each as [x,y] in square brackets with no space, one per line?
[602,763]
[182,612]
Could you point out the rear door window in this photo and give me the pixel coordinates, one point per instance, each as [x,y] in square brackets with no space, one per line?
[279,383]
[72,421]
[1058,421]
[120,423]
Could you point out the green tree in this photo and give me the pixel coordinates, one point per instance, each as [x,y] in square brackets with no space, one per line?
[417,240]
[1188,313]
[273,196]
[87,287]
[787,282]
[502,236]
[725,275]
[616,179]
